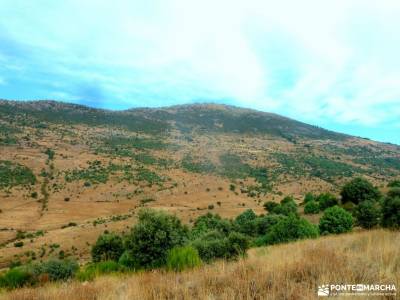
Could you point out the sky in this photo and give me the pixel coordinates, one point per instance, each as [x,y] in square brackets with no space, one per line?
[334,64]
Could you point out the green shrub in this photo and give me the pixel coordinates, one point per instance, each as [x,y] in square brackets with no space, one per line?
[86,274]
[153,236]
[289,229]
[181,258]
[349,206]
[368,214]
[287,207]
[264,223]
[13,174]
[105,267]
[270,206]
[311,207]
[308,197]
[90,271]
[209,222]
[394,183]
[19,244]
[214,245]
[394,192]
[50,153]
[127,260]
[391,212]
[57,269]
[108,247]
[16,278]
[326,200]
[211,245]
[359,190]
[335,220]
[245,222]
[237,244]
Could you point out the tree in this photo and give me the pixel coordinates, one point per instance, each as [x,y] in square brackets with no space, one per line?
[264,223]
[391,212]
[245,222]
[311,207]
[212,245]
[368,214]
[359,190]
[394,183]
[209,222]
[270,205]
[153,236]
[308,197]
[215,245]
[286,207]
[108,247]
[326,200]
[290,228]
[394,192]
[335,220]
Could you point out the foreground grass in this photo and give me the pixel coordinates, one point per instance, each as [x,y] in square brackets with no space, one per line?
[289,271]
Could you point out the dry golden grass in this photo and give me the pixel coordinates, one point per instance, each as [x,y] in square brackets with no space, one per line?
[290,271]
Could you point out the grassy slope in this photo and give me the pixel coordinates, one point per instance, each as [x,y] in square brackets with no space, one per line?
[290,271]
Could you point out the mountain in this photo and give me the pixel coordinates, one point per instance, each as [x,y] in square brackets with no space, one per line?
[68,172]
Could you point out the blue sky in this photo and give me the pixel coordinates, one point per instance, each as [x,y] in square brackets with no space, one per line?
[335,64]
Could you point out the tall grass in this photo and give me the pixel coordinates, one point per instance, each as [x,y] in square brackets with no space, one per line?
[182,258]
[287,271]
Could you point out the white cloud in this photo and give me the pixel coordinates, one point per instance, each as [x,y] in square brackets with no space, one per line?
[342,55]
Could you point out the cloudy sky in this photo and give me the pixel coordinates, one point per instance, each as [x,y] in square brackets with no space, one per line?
[334,63]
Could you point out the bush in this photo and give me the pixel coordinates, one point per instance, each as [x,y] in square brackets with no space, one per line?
[308,197]
[359,190]
[391,212]
[270,205]
[288,229]
[237,245]
[211,246]
[368,214]
[107,247]
[19,244]
[16,278]
[311,207]
[105,267]
[326,200]
[56,269]
[264,223]
[335,220]
[245,222]
[286,208]
[215,245]
[86,274]
[90,271]
[394,183]
[209,222]
[126,260]
[394,192]
[153,236]
[181,258]
[349,206]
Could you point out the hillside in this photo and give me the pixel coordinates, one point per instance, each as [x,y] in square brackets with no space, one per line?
[69,172]
[289,271]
